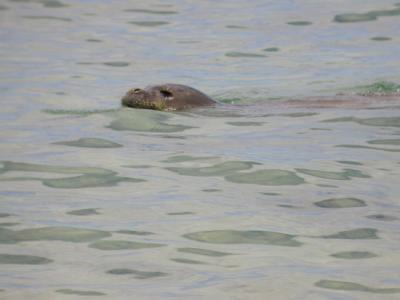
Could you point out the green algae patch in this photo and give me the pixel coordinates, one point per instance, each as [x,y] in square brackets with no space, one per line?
[381,38]
[143,120]
[23,259]
[351,286]
[340,203]
[90,143]
[245,123]
[221,169]
[346,174]
[84,212]
[122,245]
[354,255]
[267,177]
[152,11]
[244,54]
[134,232]
[244,237]
[185,158]
[204,252]
[381,217]
[299,23]
[80,292]
[85,181]
[355,234]
[393,142]
[188,261]
[117,64]
[368,147]
[66,234]
[137,274]
[149,23]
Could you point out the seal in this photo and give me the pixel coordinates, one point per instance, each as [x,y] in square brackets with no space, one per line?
[166,97]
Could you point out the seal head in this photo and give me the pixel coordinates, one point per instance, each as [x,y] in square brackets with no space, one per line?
[166,97]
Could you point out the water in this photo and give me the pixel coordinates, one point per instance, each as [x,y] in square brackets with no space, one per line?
[273,199]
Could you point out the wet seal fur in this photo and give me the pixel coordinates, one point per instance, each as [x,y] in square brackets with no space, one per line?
[166,97]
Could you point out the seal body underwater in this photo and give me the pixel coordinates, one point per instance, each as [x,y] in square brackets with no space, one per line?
[166,97]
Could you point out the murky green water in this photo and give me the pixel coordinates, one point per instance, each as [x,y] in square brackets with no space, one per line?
[258,198]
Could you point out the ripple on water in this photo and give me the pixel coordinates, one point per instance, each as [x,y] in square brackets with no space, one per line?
[203,252]
[244,237]
[299,23]
[149,23]
[90,143]
[221,169]
[355,234]
[380,121]
[346,174]
[244,54]
[188,261]
[351,286]
[340,203]
[52,3]
[116,63]
[381,38]
[381,217]
[51,18]
[152,11]
[23,259]
[137,274]
[134,232]
[185,158]
[84,212]
[271,49]
[394,142]
[92,177]
[143,120]
[245,123]
[368,16]
[368,147]
[122,245]
[354,255]
[80,292]
[267,177]
[66,234]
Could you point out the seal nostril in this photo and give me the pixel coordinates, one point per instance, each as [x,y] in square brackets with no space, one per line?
[166,94]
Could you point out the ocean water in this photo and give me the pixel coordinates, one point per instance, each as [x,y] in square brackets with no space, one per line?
[289,189]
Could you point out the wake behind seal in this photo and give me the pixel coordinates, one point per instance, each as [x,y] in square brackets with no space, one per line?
[166,97]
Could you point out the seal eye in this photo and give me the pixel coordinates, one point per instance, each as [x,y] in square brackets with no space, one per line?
[136,91]
[166,94]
